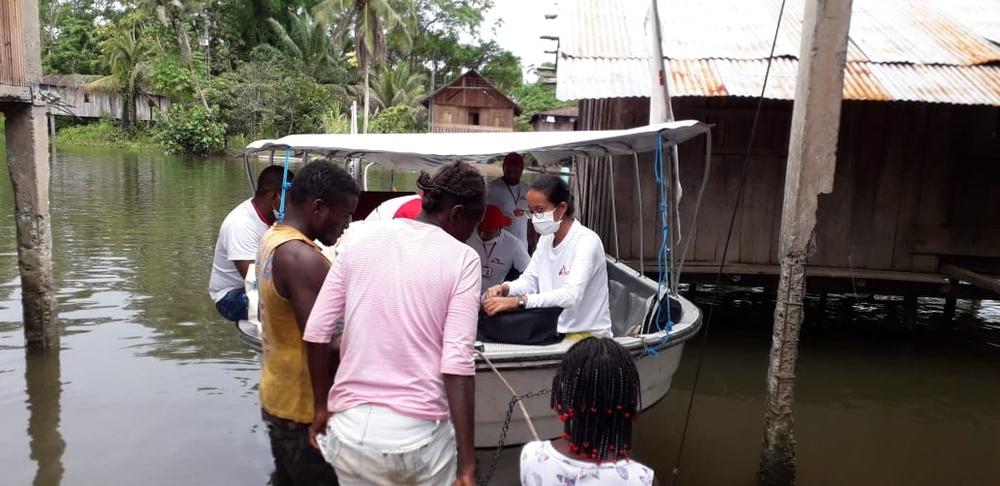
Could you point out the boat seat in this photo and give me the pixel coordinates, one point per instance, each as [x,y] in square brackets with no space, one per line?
[636,312]
[618,301]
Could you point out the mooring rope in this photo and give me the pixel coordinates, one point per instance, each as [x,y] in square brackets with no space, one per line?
[520,404]
[725,250]
[285,185]
[515,398]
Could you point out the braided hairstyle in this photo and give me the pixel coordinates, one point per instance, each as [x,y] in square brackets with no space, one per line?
[596,394]
[454,184]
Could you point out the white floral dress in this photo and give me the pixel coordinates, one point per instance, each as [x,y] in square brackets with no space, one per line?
[543,465]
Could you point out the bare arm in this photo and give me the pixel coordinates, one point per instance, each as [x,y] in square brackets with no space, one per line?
[299,272]
[462,403]
[242,266]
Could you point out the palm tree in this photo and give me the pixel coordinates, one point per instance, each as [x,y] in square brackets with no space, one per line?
[371,19]
[174,14]
[397,86]
[309,45]
[129,60]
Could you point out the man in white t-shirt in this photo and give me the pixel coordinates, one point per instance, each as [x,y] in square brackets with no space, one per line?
[236,247]
[508,194]
[499,250]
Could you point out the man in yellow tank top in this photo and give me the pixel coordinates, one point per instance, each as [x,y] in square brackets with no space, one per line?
[290,272]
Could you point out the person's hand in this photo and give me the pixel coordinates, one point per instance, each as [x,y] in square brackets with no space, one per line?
[465,479]
[497,305]
[318,426]
[496,291]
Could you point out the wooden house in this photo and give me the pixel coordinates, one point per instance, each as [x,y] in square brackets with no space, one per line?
[471,104]
[66,92]
[916,200]
[557,120]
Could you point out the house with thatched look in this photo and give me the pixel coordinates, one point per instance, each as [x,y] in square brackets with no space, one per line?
[471,104]
[915,206]
[67,97]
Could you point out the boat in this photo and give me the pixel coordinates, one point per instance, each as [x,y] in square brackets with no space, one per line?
[639,305]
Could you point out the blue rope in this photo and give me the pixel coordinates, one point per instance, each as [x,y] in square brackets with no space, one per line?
[662,257]
[285,185]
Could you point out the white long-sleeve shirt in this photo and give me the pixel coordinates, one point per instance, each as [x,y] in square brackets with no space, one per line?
[572,275]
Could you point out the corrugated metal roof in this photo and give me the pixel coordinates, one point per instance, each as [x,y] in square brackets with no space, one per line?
[912,50]
[622,78]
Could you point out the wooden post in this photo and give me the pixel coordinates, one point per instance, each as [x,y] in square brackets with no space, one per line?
[811,160]
[909,311]
[28,162]
[950,301]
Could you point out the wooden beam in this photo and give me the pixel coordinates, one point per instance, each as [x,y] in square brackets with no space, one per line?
[978,242]
[811,271]
[986,282]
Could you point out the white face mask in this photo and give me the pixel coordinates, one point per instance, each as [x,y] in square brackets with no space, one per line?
[545,223]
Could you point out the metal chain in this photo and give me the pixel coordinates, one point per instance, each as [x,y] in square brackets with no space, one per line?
[506,426]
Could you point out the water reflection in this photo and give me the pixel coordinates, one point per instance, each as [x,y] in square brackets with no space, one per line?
[44,390]
[155,389]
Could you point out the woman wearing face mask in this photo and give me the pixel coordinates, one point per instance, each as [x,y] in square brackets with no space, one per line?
[568,268]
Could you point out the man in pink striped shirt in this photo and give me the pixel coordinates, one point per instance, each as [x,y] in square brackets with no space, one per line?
[400,410]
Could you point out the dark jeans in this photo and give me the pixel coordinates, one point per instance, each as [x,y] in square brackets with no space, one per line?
[296,462]
[234,305]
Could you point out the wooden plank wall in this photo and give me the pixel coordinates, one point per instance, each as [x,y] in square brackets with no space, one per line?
[459,115]
[12,62]
[901,166]
[104,105]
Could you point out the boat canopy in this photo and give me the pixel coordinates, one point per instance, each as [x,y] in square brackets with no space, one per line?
[429,150]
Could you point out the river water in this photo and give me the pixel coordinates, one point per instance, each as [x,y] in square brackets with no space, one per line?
[153,388]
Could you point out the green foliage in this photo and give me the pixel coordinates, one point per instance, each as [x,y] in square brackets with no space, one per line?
[277,66]
[74,49]
[169,76]
[190,130]
[503,69]
[264,98]
[371,20]
[535,98]
[308,45]
[335,121]
[396,85]
[102,133]
[396,119]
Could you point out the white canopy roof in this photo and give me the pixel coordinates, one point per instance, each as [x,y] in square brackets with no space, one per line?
[428,150]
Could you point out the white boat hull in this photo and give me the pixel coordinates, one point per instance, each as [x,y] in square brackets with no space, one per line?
[530,369]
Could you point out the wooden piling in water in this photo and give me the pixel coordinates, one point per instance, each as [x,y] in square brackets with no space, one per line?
[811,161]
[27,141]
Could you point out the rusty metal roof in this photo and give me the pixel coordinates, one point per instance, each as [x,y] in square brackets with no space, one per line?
[937,51]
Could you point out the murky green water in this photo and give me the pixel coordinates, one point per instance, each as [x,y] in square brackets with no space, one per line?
[153,388]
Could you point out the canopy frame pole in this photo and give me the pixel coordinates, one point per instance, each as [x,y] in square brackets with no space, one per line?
[697,203]
[246,168]
[614,209]
[673,217]
[271,157]
[638,196]
[305,157]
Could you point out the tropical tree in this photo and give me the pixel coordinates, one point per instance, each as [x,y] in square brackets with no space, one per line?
[397,85]
[308,45]
[371,20]
[175,14]
[129,59]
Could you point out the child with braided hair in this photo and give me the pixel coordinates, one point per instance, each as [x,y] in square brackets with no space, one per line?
[596,394]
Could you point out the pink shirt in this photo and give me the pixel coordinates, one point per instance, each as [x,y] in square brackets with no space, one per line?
[409,296]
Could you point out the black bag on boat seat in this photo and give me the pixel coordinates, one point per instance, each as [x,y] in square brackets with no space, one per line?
[530,326]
